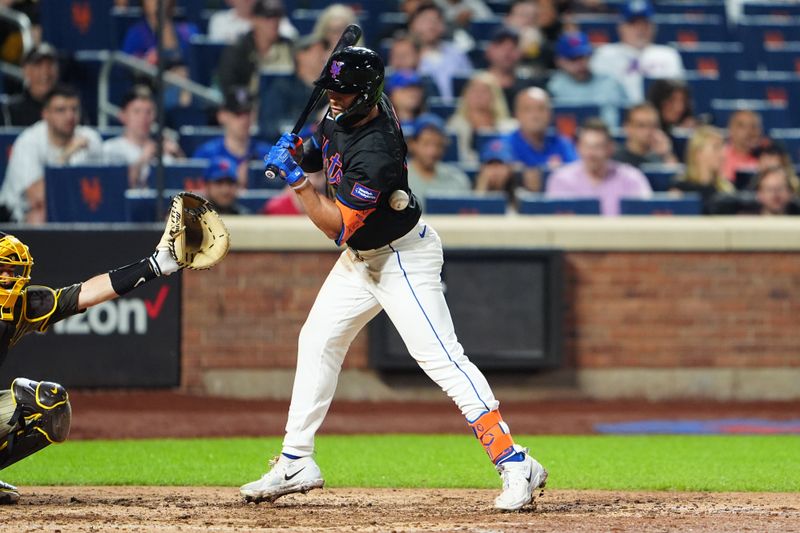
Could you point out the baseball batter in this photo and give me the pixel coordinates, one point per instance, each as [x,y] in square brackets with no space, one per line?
[35,414]
[393,262]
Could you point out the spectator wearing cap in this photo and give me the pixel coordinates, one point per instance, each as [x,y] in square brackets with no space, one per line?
[595,175]
[440,59]
[57,140]
[236,118]
[260,48]
[40,74]
[140,39]
[575,84]
[427,174]
[228,25]
[645,142]
[405,90]
[222,186]
[744,136]
[503,56]
[285,97]
[635,57]
[497,171]
[533,145]
[136,146]
[482,109]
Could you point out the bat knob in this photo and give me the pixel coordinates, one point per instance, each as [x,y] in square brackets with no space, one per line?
[271,173]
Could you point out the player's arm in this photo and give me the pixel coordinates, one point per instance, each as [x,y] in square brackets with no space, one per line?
[323,212]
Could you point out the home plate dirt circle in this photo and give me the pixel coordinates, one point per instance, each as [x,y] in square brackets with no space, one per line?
[219,509]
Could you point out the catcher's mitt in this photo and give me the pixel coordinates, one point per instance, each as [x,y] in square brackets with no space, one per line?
[195,234]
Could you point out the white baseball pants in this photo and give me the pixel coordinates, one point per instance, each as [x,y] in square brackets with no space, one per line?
[404,279]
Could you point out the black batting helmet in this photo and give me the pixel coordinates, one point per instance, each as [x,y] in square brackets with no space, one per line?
[354,70]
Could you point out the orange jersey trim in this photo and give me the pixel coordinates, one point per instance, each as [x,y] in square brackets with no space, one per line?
[352,220]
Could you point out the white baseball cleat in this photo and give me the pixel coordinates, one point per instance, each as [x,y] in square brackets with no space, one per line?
[8,494]
[286,476]
[523,482]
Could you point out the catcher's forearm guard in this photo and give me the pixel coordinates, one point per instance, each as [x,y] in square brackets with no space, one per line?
[127,278]
[40,414]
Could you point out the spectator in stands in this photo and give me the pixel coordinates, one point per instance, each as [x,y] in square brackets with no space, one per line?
[645,142]
[575,84]
[744,136]
[136,147]
[236,118]
[482,108]
[140,40]
[673,102]
[635,57]
[775,192]
[532,144]
[528,17]
[285,97]
[405,52]
[595,174]
[407,94]
[441,59]
[461,12]
[703,173]
[497,172]
[40,74]
[331,24]
[57,140]
[427,174]
[503,56]
[262,47]
[228,25]
[222,186]
[773,154]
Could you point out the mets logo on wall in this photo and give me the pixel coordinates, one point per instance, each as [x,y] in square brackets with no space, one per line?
[336,68]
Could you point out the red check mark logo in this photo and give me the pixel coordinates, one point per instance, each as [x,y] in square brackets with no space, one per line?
[154,308]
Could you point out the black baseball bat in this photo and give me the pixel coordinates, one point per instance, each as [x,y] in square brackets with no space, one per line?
[350,36]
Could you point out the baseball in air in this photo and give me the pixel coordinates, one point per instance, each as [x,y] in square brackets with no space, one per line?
[398,200]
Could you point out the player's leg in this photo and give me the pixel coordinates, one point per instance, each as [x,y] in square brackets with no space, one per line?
[32,416]
[342,307]
[411,293]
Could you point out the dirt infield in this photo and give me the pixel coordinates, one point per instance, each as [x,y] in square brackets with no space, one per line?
[187,509]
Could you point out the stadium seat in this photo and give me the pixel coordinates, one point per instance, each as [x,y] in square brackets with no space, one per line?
[466,204]
[204,58]
[774,87]
[484,138]
[140,205]
[84,75]
[538,204]
[481,30]
[122,18]
[661,176]
[110,132]
[257,180]
[773,114]
[694,29]
[692,8]
[71,26]
[783,57]
[662,204]
[191,137]
[7,137]
[440,108]
[787,10]
[451,154]
[600,29]
[186,175]
[86,193]
[790,138]
[254,199]
[759,33]
[567,118]
[717,58]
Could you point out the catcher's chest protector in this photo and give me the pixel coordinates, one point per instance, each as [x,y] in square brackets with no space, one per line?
[38,304]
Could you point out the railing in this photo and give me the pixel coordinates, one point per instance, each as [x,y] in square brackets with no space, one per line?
[106,108]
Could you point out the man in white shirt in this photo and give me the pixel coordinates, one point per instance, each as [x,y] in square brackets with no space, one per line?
[635,57]
[135,147]
[57,140]
[226,26]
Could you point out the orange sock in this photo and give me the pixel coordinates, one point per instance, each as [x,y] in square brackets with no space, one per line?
[494,435]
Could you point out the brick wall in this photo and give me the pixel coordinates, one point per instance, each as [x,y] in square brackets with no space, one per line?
[622,309]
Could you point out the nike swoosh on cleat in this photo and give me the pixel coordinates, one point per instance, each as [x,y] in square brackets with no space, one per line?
[422,233]
[287,477]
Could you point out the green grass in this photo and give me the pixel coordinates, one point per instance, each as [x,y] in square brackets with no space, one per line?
[706,463]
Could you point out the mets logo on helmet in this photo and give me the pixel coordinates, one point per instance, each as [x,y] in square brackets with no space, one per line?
[336,68]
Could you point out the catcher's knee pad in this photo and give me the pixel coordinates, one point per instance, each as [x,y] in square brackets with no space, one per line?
[33,414]
[494,435]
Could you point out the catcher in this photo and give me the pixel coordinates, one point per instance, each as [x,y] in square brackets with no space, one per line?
[34,414]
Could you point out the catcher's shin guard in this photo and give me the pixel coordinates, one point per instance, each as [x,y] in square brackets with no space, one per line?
[33,415]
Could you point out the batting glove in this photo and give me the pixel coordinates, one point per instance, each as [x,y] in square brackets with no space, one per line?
[288,168]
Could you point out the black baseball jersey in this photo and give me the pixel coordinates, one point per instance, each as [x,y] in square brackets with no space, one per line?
[364,166]
[36,309]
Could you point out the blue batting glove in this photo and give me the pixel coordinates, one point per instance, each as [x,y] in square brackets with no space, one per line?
[282,159]
[290,141]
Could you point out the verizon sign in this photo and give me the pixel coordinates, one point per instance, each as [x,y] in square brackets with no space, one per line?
[132,341]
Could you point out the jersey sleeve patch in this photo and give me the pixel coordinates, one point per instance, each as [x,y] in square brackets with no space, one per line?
[365,194]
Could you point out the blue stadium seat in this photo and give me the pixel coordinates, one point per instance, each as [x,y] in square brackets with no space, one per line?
[567,118]
[84,74]
[660,176]
[790,138]
[191,137]
[7,137]
[717,58]
[254,199]
[204,58]
[466,204]
[444,110]
[122,18]
[86,193]
[477,56]
[773,114]
[774,87]
[694,29]
[692,8]
[538,204]
[451,154]
[600,29]
[71,26]
[110,132]
[484,138]
[257,180]
[785,57]
[777,9]
[759,33]
[689,204]
[481,30]
[186,175]
[141,204]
